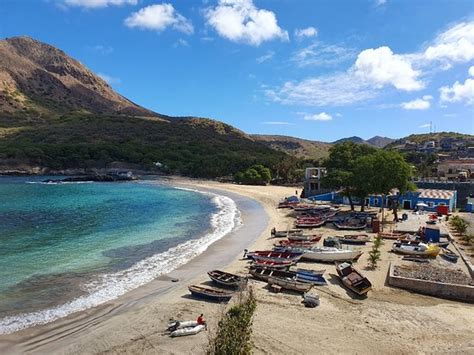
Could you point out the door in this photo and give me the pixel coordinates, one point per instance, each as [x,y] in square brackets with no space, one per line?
[406,204]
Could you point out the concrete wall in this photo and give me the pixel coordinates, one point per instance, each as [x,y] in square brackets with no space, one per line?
[462,293]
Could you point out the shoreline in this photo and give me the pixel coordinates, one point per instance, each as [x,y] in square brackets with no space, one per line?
[219,254]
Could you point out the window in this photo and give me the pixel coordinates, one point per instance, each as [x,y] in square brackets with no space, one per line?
[430,204]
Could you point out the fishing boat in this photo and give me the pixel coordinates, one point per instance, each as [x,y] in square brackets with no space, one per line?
[308,238]
[416,249]
[289,284]
[210,293]
[394,236]
[351,225]
[226,279]
[449,255]
[416,258]
[286,233]
[310,224]
[314,278]
[187,331]
[269,254]
[353,279]
[357,239]
[290,243]
[326,254]
[281,265]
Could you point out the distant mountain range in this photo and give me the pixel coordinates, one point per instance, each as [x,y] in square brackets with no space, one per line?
[56,114]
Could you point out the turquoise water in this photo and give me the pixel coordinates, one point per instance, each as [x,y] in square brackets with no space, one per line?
[67,247]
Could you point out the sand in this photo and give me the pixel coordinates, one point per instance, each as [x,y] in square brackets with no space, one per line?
[388,321]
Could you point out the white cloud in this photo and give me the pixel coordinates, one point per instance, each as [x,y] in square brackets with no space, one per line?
[337,90]
[425,125]
[159,17]
[99,3]
[265,57]
[109,79]
[323,116]
[380,2]
[277,123]
[321,54]
[471,71]
[418,104]
[458,92]
[241,21]
[383,67]
[181,43]
[454,45]
[301,33]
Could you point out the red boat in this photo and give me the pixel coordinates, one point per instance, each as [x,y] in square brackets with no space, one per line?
[290,243]
[309,224]
[305,238]
[273,265]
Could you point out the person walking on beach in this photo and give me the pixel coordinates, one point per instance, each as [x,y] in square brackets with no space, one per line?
[202,321]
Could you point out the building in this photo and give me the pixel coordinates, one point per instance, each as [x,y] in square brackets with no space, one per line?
[453,169]
[312,181]
[430,198]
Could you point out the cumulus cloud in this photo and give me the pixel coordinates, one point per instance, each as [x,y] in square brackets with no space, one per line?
[383,67]
[471,71]
[323,116]
[159,17]
[301,33]
[459,92]
[320,54]
[418,104]
[269,55]
[99,3]
[454,45]
[241,21]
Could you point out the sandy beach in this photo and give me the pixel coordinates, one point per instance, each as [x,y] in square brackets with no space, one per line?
[389,321]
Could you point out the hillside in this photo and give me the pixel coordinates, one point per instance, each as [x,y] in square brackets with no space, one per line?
[437,137]
[56,114]
[377,141]
[298,147]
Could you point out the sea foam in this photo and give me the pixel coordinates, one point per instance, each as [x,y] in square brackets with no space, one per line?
[110,286]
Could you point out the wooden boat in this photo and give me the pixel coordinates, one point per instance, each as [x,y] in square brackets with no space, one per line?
[290,243]
[310,224]
[309,238]
[260,254]
[353,279]
[273,264]
[327,254]
[226,279]
[416,249]
[358,239]
[289,284]
[210,293]
[286,233]
[394,236]
[416,258]
[310,272]
[345,225]
[263,274]
[449,255]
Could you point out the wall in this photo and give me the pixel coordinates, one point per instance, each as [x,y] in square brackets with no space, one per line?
[463,293]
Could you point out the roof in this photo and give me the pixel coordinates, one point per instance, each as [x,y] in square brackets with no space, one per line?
[439,194]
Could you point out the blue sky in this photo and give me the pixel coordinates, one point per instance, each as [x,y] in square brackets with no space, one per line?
[315,69]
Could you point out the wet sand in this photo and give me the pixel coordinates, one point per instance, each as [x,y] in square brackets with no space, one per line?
[388,321]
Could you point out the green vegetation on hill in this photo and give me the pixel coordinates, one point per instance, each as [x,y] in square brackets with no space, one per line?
[421,138]
[192,147]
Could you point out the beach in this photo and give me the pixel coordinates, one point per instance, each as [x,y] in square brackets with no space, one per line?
[389,321]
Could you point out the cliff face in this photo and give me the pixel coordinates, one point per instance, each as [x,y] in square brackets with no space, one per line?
[39,79]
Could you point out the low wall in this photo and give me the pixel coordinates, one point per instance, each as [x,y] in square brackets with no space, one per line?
[462,293]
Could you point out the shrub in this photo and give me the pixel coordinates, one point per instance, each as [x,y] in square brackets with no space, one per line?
[234,333]
[374,254]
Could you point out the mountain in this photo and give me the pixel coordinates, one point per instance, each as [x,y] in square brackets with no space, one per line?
[353,139]
[56,114]
[380,142]
[301,148]
[39,80]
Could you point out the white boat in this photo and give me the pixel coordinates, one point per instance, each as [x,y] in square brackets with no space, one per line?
[328,254]
[187,331]
[416,249]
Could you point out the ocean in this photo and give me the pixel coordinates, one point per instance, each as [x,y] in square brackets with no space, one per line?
[71,246]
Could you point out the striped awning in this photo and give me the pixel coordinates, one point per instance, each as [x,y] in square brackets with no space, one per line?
[437,194]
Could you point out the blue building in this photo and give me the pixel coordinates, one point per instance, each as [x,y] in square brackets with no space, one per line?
[430,199]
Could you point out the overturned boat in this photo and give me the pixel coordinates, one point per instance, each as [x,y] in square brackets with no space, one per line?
[326,254]
[290,284]
[314,278]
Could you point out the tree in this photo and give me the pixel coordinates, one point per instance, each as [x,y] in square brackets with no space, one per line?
[255,175]
[341,167]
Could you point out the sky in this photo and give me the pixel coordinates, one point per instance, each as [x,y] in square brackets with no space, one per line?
[315,69]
